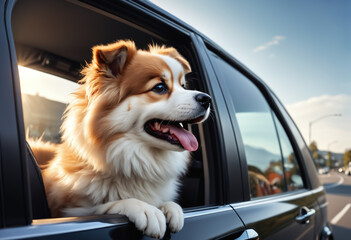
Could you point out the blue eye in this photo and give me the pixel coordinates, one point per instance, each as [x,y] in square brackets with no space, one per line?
[160,88]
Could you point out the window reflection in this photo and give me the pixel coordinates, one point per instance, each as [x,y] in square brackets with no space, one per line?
[292,170]
[272,165]
[262,153]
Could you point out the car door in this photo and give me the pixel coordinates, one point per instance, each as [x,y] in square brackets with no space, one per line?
[281,189]
[211,217]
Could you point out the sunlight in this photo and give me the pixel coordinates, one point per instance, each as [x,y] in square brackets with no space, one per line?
[49,86]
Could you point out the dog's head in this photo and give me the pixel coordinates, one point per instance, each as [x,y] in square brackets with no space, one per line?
[140,95]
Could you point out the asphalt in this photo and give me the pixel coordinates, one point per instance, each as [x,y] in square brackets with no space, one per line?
[338,188]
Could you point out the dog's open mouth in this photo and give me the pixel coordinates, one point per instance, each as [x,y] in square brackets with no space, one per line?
[173,132]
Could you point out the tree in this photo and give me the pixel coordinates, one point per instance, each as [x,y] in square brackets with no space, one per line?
[313,146]
[329,160]
[314,151]
[347,157]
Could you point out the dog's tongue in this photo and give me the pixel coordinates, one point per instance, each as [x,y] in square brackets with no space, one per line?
[186,138]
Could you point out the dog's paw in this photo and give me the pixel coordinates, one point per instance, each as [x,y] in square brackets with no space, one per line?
[151,221]
[147,218]
[174,215]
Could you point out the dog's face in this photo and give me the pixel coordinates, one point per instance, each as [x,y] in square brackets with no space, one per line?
[140,95]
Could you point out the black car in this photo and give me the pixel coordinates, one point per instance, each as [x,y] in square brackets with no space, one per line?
[252,178]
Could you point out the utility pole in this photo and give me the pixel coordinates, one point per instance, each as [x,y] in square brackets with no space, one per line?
[318,119]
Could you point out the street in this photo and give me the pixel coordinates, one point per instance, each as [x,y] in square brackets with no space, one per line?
[338,187]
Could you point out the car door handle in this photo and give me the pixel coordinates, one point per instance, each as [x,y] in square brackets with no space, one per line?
[248,234]
[305,214]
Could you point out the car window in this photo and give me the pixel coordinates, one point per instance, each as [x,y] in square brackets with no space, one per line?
[272,165]
[44,98]
[292,169]
[262,153]
[50,65]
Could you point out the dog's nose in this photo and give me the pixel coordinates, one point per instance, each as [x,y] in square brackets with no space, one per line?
[203,99]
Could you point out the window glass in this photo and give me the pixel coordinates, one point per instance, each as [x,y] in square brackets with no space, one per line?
[292,170]
[272,165]
[262,153]
[44,98]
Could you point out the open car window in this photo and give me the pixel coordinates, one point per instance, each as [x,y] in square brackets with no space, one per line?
[44,98]
[50,65]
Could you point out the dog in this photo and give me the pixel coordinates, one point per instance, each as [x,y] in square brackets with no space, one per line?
[123,144]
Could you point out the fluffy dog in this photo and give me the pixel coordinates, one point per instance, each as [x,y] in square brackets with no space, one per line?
[123,145]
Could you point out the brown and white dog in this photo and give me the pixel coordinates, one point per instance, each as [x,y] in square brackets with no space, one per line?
[123,145]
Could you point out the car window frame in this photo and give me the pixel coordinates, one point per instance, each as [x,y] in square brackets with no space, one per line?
[231,166]
[15,198]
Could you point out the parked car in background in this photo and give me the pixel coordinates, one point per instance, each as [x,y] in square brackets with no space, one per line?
[348,169]
[252,178]
[323,170]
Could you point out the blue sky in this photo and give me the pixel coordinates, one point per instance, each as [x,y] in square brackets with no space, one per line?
[312,58]
[301,49]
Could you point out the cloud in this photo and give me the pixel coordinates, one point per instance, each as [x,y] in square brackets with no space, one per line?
[275,41]
[330,132]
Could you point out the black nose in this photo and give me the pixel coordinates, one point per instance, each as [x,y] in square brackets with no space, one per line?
[203,99]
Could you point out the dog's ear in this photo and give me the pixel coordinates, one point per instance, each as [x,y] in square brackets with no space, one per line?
[115,56]
[184,63]
[171,52]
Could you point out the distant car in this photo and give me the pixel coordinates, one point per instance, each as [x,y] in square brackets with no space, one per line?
[252,177]
[348,169]
[323,170]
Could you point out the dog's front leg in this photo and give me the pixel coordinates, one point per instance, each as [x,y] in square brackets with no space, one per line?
[147,218]
[174,215]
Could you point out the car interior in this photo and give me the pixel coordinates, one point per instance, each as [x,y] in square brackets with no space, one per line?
[56,37]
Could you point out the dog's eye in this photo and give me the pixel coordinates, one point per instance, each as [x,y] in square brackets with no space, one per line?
[160,88]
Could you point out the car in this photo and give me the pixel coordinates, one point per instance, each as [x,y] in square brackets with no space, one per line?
[252,177]
[348,169]
[323,170]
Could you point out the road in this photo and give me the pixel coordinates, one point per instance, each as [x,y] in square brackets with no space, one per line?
[338,187]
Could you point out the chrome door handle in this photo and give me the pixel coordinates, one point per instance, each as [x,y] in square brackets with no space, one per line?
[248,234]
[305,214]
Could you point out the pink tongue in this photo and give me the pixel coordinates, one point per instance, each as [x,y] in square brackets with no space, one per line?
[186,138]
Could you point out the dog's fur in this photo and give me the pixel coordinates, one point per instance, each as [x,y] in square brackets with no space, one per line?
[107,162]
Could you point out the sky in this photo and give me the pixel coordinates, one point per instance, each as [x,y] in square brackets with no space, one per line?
[301,49]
